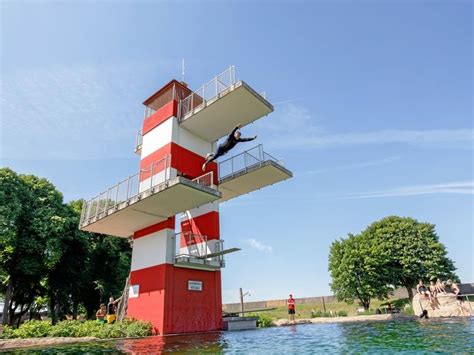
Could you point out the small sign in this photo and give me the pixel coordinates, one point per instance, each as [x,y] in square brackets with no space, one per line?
[194,285]
[133,291]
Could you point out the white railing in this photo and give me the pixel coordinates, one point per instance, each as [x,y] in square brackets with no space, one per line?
[138,141]
[250,158]
[207,92]
[206,180]
[126,190]
[195,248]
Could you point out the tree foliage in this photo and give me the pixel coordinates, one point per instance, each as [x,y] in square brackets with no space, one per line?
[44,257]
[355,271]
[413,251]
[392,252]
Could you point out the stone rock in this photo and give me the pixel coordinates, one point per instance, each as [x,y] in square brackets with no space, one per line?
[442,306]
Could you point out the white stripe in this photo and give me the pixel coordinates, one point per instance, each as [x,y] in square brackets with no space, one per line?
[199,211]
[154,249]
[158,178]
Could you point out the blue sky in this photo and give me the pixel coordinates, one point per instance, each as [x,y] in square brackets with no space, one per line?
[373,114]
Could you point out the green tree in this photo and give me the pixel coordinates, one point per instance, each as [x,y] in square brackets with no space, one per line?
[412,249]
[355,271]
[35,218]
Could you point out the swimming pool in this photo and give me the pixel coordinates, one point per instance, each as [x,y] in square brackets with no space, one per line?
[414,336]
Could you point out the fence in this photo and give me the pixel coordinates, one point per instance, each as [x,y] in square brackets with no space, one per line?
[248,159]
[207,92]
[126,189]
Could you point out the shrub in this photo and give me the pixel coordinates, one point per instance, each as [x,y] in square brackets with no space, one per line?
[37,329]
[67,328]
[342,313]
[316,314]
[264,321]
[32,329]
[408,310]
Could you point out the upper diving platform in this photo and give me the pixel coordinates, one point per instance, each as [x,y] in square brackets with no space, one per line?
[213,110]
[248,171]
[136,203]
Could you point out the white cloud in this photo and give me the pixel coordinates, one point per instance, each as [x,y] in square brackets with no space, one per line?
[259,245]
[462,187]
[293,126]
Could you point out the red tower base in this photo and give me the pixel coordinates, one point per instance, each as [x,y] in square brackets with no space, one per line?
[167,301]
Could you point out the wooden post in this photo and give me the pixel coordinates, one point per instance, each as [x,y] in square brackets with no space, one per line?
[324,305]
[241,302]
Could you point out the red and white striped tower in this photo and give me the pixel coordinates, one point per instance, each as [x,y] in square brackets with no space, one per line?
[175,279]
[164,296]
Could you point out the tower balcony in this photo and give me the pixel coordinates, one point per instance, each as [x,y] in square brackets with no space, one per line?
[248,171]
[213,110]
[148,197]
[197,252]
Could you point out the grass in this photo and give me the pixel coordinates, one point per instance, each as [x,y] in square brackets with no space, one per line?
[305,310]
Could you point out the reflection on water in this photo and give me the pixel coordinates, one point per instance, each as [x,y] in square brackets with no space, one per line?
[415,336]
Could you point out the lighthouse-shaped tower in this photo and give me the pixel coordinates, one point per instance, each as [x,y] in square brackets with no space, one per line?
[175,278]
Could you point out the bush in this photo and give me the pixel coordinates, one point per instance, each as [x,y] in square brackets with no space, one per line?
[32,329]
[342,313]
[319,313]
[38,329]
[264,321]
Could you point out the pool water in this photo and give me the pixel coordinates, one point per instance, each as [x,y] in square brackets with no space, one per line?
[410,336]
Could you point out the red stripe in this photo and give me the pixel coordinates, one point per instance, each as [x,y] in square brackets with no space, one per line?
[206,224]
[168,110]
[185,161]
[168,224]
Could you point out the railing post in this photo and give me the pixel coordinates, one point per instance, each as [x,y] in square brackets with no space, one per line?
[107,200]
[116,194]
[128,188]
[151,176]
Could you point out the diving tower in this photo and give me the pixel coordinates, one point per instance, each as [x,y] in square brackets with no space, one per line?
[175,279]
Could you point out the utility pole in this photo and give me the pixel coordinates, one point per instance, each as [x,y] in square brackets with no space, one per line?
[242,294]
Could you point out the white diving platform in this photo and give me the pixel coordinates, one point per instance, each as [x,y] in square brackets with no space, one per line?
[122,218]
[248,171]
[213,110]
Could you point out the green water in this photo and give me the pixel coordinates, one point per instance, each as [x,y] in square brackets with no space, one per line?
[408,336]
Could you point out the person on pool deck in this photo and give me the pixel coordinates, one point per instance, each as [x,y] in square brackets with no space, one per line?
[112,310]
[224,148]
[101,314]
[291,307]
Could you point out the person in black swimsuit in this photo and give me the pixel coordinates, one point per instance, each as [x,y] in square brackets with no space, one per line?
[224,148]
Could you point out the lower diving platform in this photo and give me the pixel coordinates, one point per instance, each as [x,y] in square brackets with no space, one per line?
[248,171]
[121,217]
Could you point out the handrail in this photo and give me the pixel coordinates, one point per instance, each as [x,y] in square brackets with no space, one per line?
[243,161]
[198,247]
[127,189]
[206,179]
[206,92]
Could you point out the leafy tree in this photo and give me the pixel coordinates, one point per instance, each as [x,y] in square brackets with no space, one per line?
[35,218]
[355,271]
[46,259]
[413,251]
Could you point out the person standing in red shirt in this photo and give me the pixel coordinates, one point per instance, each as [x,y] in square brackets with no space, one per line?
[291,307]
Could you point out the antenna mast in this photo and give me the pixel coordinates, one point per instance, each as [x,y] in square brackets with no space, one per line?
[182,70]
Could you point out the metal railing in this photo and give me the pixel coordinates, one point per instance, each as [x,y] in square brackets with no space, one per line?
[207,92]
[198,247]
[138,141]
[248,159]
[126,190]
[206,180]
